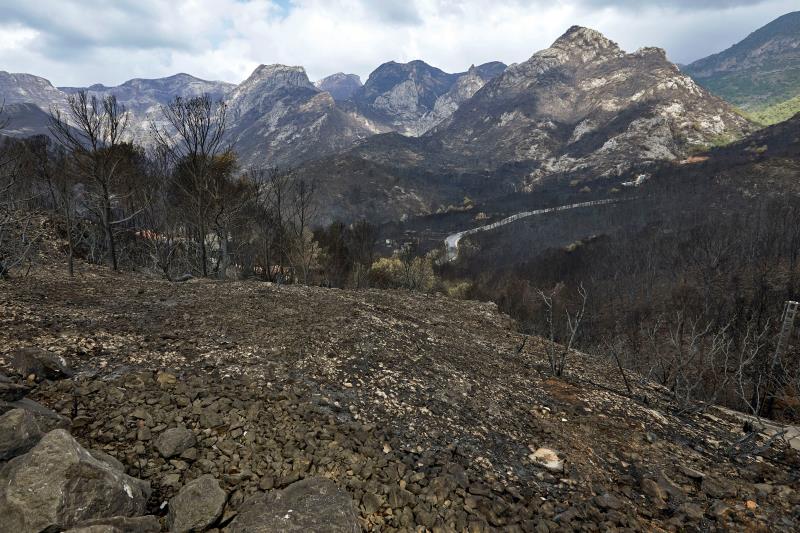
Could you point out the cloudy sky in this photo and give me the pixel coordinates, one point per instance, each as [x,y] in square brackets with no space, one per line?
[79,42]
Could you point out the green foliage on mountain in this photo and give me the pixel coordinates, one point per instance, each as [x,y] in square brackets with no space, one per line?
[760,71]
[776,113]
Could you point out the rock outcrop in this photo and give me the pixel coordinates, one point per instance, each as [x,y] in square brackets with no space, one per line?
[35,363]
[411,98]
[582,109]
[278,116]
[143,98]
[340,85]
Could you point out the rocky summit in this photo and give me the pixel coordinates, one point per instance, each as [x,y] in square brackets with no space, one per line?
[245,406]
[279,117]
[580,110]
[341,86]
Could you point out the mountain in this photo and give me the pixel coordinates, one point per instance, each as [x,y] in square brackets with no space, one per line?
[404,96]
[761,70]
[584,107]
[143,98]
[776,113]
[580,110]
[141,95]
[278,117]
[24,120]
[29,89]
[341,86]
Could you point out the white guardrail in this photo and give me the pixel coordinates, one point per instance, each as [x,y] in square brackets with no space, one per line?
[451,242]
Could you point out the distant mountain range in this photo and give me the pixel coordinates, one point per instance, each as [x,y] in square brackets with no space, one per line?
[760,71]
[414,139]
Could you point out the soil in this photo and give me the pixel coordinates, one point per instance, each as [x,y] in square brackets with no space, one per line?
[425,409]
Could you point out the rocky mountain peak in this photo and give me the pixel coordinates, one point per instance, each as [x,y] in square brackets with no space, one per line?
[341,86]
[581,40]
[275,76]
[20,88]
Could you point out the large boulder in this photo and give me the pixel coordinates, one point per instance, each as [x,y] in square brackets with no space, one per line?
[198,505]
[40,363]
[174,442]
[59,484]
[313,504]
[119,524]
[19,432]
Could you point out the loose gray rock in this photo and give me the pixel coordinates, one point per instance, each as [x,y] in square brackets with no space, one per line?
[313,504]
[11,392]
[59,484]
[174,441]
[111,461]
[19,432]
[47,419]
[198,505]
[40,363]
[119,524]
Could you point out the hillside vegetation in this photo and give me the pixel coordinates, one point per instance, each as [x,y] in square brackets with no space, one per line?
[776,113]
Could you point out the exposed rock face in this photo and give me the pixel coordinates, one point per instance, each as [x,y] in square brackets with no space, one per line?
[59,484]
[142,95]
[340,85]
[583,106]
[279,117]
[25,120]
[19,432]
[143,98]
[406,96]
[581,109]
[399,94]
[29,89]
[462,90]
[762,69]
[198,505]
[313,504]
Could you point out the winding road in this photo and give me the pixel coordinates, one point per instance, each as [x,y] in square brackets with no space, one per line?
[451,242]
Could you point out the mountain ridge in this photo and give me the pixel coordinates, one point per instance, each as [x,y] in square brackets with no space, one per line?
[760,70]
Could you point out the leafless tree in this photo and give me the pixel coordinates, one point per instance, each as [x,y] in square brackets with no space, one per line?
[274,197]
[304,249]
[562,339]
[193,141]
[92,132]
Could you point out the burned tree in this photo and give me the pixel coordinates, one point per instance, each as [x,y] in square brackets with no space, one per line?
[192,142]
[92,132]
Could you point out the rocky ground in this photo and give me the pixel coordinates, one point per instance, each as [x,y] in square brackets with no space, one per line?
[244,406]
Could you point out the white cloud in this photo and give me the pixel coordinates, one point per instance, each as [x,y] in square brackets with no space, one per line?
[78,42]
